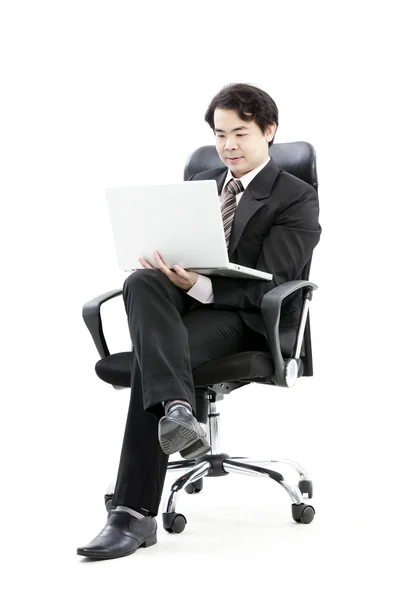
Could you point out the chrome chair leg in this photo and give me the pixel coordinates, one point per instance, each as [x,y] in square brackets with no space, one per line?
[242,468]
[255,461]
[202,469]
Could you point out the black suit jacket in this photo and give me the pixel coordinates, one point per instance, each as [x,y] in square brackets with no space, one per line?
[275,229]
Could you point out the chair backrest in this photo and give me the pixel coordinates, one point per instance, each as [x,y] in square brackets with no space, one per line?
[298,159]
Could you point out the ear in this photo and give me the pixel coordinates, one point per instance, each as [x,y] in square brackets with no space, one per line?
[270,132]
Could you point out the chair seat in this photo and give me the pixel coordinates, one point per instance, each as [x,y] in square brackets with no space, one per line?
[244,366]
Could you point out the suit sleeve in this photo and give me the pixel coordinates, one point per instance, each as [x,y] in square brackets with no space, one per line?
[286,249]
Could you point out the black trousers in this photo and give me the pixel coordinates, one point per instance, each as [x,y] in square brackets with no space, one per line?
[171,335]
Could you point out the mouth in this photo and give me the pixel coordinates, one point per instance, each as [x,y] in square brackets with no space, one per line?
[235,158]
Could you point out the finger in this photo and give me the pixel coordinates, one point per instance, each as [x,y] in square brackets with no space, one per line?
[180,271]
[160,263]
[145,264]
[157,254]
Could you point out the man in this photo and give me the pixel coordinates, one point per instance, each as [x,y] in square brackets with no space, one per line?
[179,319]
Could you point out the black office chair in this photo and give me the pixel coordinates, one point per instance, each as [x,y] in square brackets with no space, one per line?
[288,356]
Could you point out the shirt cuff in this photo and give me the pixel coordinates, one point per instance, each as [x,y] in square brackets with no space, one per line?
[202,290]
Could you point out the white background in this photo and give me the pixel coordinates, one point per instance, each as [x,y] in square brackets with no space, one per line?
[96,94]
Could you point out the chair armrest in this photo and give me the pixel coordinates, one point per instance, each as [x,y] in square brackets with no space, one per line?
[91,316]
[271,312]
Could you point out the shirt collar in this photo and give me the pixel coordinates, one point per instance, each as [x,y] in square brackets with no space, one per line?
[246,179]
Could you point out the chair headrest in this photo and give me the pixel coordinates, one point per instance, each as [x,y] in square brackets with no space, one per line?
[297,158]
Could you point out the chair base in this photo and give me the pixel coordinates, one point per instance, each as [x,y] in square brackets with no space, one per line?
[217,465]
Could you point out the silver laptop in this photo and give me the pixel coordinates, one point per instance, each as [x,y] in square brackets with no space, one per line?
[181,221]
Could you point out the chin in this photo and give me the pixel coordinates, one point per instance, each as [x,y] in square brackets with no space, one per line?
[241,170]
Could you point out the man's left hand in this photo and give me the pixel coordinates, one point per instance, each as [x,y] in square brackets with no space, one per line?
[179,277]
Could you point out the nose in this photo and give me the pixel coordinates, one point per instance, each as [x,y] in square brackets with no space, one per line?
[230,144]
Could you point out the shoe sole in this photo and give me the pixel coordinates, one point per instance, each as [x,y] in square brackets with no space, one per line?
[175,437]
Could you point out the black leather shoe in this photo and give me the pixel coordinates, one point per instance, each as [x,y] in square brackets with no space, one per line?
[122,535]
[179,431]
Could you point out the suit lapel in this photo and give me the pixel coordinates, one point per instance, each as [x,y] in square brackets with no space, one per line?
[259,189]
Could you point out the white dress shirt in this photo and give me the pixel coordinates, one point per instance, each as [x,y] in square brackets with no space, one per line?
[202,289]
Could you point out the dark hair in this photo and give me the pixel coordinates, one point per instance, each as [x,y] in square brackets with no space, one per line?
[245,98]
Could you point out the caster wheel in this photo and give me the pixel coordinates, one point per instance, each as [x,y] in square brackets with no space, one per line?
[303,513]
[194,488]
[174,522]
[306,487]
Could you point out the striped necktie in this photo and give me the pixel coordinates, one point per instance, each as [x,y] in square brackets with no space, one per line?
[228,208]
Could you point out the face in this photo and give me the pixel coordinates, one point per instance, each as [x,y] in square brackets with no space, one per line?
[241,145]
